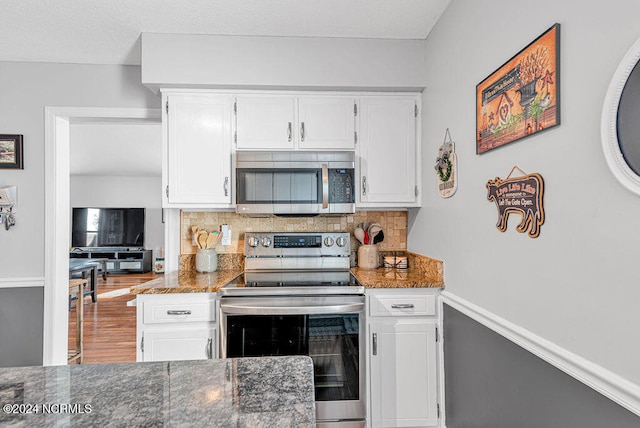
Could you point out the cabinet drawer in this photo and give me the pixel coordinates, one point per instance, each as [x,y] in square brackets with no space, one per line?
[130,265]
[176,312]
[398,306]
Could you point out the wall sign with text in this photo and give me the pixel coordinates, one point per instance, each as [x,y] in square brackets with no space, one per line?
[522,97]
[519,195]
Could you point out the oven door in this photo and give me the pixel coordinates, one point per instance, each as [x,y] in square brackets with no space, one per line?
[329,329]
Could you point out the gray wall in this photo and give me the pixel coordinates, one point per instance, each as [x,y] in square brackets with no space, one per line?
[281,62]
[21,326]
[26,88]
[577,284]
[492,382]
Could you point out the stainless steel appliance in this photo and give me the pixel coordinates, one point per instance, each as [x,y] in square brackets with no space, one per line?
[295,183]
[297,297]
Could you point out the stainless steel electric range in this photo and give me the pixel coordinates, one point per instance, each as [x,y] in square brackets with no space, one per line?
[297,297]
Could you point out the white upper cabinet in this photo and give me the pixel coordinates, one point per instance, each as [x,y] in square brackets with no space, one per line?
[273,122]
[197,170]
[265,122]
[327,123]
[389,152]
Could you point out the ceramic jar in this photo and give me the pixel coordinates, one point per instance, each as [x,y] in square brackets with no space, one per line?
[206,260]
[368,256]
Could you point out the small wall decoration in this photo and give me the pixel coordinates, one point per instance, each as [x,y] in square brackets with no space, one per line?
[521,195]
[522,97]
[11,151]
[446,167]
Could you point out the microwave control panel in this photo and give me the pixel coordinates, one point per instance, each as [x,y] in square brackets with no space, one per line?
[341,186]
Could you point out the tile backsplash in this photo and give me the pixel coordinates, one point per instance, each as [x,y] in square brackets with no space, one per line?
[393,223]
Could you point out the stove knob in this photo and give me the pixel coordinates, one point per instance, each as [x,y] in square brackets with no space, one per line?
[342,241]
[253,241]
[328,241]
[266,242]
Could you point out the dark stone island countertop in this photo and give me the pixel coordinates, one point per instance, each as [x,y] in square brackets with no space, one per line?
[244,392]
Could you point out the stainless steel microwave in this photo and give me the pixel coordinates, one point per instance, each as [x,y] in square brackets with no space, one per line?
[295,183]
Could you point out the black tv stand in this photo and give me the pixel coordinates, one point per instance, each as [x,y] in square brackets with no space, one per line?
[119,259]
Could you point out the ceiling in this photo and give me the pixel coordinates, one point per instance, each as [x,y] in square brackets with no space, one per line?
[108,31]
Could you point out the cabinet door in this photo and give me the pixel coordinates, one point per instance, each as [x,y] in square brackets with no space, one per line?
[199,149]
[388,151]
[265,123]
[403,374]
[326,123]
[185,344]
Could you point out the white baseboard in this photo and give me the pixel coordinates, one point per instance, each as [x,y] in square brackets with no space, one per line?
[37,281]
[609,384]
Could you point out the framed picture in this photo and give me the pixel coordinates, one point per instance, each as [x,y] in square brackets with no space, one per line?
[522,97]
[11,151]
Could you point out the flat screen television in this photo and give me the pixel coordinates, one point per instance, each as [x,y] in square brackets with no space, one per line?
[107,227]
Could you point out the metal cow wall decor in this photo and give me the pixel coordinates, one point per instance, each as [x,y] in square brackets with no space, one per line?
[521,195]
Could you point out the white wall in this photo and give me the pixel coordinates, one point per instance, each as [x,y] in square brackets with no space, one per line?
[124,192]
[181,60]
[25,89]
[577,285]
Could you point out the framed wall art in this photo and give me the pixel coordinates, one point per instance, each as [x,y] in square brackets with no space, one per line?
[11,151]
[522,97]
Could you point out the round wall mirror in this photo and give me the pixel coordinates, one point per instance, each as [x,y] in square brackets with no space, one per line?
[620,125]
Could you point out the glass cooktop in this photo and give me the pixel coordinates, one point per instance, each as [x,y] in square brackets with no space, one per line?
[294,282]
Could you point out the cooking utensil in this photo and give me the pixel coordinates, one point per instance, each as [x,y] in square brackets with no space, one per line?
[211,240]
[374,229]
[379,237]
[202,239]
[359,234]
[366,238]
[365,226]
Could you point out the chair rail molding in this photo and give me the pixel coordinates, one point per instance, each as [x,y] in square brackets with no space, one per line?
[609,384]
[37,281]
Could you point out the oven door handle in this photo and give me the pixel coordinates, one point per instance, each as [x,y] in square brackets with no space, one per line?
[290,310]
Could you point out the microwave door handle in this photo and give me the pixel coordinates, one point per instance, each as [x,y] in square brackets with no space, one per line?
[290,310]
[325,186]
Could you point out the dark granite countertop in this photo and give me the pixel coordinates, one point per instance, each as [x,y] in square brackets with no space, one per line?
[245,392]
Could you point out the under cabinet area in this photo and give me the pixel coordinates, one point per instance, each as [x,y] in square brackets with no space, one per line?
[403,356]
[176,327]
[285,122]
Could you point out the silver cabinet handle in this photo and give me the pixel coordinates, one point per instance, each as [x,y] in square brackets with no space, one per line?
[325,186]
[226,186]
[375,344]
[301,131]
[364,185]
[179,312]
[290,131]
[209,349]
[403,306]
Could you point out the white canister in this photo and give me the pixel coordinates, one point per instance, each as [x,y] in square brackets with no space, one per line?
[368,256]
[206,260]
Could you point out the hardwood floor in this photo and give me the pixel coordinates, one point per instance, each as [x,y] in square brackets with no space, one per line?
[109,324]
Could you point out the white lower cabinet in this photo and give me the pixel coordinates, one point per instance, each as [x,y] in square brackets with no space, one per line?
[176,327]
[403,355]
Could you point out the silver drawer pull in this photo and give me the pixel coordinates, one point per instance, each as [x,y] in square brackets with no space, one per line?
[402,306]
[179,312]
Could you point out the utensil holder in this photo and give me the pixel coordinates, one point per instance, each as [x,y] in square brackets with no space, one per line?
[206,260]
[368,256]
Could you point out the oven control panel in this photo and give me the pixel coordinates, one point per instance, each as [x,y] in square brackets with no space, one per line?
[296,244]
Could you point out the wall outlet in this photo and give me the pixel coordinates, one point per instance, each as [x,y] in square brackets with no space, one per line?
[226,235]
